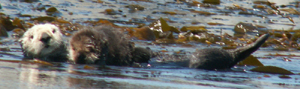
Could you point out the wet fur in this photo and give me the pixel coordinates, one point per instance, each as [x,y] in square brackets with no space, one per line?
[212,58]
[44,42]
[103,45]
[141,55]
[216,58]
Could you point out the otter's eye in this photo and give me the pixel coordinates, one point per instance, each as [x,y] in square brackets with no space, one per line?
[53,31]
[31,37]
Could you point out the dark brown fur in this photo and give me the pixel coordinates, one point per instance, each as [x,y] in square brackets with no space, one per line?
[102,45]
[213,58]
[216,58]
[141,55]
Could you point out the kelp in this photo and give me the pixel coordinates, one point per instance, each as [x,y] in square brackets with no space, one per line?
[52,11]
[251,61]
[134,8]
[272,69]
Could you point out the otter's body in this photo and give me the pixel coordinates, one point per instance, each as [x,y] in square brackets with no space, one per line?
[211,58]
[44,42]
[141,55]
[216,58]
[103,45]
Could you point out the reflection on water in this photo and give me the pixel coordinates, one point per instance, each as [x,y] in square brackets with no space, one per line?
[15,75]
[22,75]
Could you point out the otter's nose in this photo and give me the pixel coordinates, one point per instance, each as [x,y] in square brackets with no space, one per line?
[45,38]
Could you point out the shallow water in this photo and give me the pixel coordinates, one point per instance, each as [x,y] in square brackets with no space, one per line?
[17,74]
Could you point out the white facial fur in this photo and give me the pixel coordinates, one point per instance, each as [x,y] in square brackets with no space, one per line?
[31,40]
[72,54]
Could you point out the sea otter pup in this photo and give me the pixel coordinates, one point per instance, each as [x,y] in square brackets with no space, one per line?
[104,45]
[44,42]
[216,58]
[141,55]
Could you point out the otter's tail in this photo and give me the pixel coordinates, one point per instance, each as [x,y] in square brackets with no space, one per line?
[243,52]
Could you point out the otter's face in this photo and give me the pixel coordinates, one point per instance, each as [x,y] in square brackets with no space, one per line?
[87,47]
[41,39]
[83,49]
